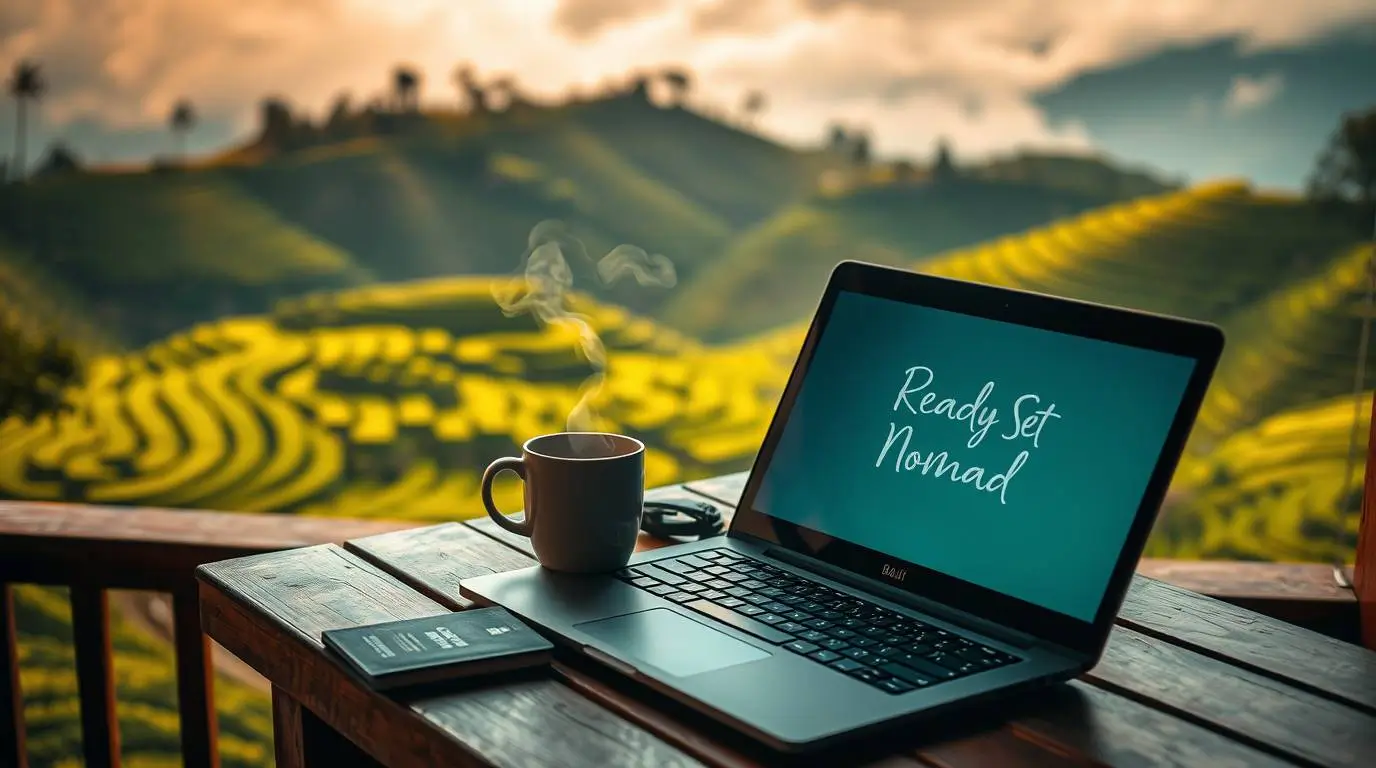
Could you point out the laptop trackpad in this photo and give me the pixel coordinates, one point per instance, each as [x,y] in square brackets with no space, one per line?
[672,642]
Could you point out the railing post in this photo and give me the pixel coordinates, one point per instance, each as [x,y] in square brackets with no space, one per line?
[95,680]
[1364,572]
[195,680]
[12,749]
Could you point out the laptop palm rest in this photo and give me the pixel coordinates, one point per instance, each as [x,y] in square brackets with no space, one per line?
[671,642]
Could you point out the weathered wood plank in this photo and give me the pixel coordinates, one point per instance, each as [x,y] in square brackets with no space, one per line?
[726,489]
[1262,712]
[1001,747]
[271,609]
[12,743]
[195,682]
[95,676]
[288,740]
[1115,730]
[1077,723]
[1364,570]
[436,559]
[141,548]
[1318,663]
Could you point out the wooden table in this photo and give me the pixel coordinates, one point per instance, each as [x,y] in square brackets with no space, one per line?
[1186,679]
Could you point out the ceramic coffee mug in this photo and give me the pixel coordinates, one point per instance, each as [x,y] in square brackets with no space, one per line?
[583,493]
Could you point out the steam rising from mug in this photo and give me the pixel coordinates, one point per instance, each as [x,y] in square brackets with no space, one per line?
[548,279]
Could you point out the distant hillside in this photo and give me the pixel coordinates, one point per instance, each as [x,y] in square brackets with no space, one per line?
[774,273]
[1276,491]
[392,197]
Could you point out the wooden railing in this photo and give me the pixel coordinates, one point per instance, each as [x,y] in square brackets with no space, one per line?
[93,550]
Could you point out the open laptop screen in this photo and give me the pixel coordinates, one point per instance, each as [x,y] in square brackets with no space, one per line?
[1010,457]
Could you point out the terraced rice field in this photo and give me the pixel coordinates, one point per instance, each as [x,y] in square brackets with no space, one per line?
[370,417]
[387,401]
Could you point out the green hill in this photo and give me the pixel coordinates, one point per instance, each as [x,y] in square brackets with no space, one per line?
[1281,490]
[773,273]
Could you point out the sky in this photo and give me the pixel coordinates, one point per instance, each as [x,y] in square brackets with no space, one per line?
[1193,88]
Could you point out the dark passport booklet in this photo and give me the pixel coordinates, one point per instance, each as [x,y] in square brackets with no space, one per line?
[450,646]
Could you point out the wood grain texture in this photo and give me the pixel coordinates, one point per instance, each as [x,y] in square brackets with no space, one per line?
[95,676]
[195,682]
[13,751]
[141,548]
[1114,730]
[436,559]
[1077,724]
[1318,663]
[288,740]
[1364,570]
[726,489]
[271,609]
[1001,747]
[1260,711]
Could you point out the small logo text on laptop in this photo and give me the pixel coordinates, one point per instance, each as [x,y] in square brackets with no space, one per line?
[897,574]
[498,630]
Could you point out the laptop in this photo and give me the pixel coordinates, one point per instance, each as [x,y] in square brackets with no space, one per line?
[948,506]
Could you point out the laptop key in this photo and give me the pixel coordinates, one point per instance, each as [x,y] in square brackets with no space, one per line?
[847,665]
[798,616]
[834,644]
[841,633]
[894,685]
[738,592]
[719,584]
[812,636]
[661,589]
[730,602]
[776,607]
[859,654]
[924,667]
[753,584]
[906,674]
[864,642]
[693,587]
[748,625]
[695,562]
[717,570]
[668,577]
[681,597]
[825,656]
[886,651]
[749,610]
[800,646]
[819,624]
[869,675]
[770,618]
[644,582]
[757,599]
[710,554]
[791,627]
[625,573]
[676,566]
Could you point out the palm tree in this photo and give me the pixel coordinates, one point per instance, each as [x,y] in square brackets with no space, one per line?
[679,82]
[753,105]
[406,86]
[182,120]
[26,84]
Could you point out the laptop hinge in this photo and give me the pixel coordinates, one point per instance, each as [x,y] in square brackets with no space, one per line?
[939,610]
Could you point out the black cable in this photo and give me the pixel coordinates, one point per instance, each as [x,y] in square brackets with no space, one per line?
[681,517]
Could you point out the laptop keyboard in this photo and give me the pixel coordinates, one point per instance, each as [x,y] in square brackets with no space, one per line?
[890,651]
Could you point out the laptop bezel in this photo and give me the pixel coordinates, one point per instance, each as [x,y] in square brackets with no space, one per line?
[1199,341]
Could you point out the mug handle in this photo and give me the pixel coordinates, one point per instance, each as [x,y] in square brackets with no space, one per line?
[522,527]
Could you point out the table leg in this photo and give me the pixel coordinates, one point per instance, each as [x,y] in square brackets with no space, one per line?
[288,735]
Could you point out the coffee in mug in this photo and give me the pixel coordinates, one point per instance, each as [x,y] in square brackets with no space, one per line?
[584,493]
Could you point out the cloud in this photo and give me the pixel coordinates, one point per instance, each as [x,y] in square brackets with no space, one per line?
[1247,93]
[582,19]
[911,70]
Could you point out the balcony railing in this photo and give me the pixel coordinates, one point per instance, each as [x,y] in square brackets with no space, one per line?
[92,550]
